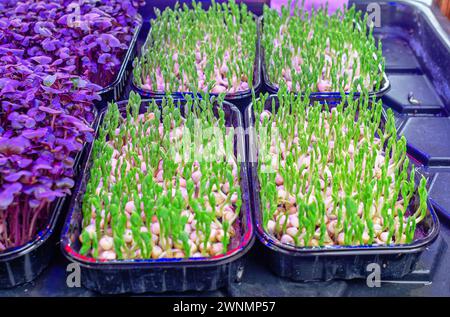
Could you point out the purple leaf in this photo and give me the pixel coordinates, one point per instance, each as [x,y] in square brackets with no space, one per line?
[34,134]
[7,195]
[14,177]
[65,183]
[8,85]
[15,145]
[50,80]
[104,58]
[43,60]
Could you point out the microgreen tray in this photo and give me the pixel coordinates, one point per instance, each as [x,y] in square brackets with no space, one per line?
[24,263]
[165,274]
[330,97]
[333,262]
[241,99]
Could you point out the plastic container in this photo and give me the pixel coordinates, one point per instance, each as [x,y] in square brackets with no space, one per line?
[24,263]
[241,99]
[337,262]
[161,275]
[413,94]
[330,97]
[115,90]
[427,138]
[439,189]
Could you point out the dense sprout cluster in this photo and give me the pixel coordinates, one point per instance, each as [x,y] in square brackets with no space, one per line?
[86,38]
[51,54]
[199,50]
[335,176]
[148,196]
[321,52]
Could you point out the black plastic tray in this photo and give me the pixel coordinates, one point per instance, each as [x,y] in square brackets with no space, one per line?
[161,275]
[413,93]
[241,99]
[439,188]
[323,264]
[24,263]
[428,139]
[330,97]
[115,90]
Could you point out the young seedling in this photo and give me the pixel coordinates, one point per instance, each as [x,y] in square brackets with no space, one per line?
[321,52]
[338,179]
[146,199]
[198,50]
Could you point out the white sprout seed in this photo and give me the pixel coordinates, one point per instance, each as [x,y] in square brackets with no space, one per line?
[196,176]
[107,255]
[225,188]
[292,210]
[341,238]
[202,246]
[377,229]
[212,235]
[365,237]
[90,229]
[228,215]
[156,252]
[192,247]
[194,237]
[106,243]
[384,236]
[234,198]
[129,207]
[292,231]
[287,239]
[155,228]
[331,227]
[279,180]
[219,198]
[220,235]
[128,236]
[178,244]
[159,176]
[271,226]
[314,243]
[293,221]
[216,249]
[178,254]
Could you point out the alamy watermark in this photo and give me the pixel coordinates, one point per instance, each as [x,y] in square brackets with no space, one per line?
[73,279]
[374,14]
